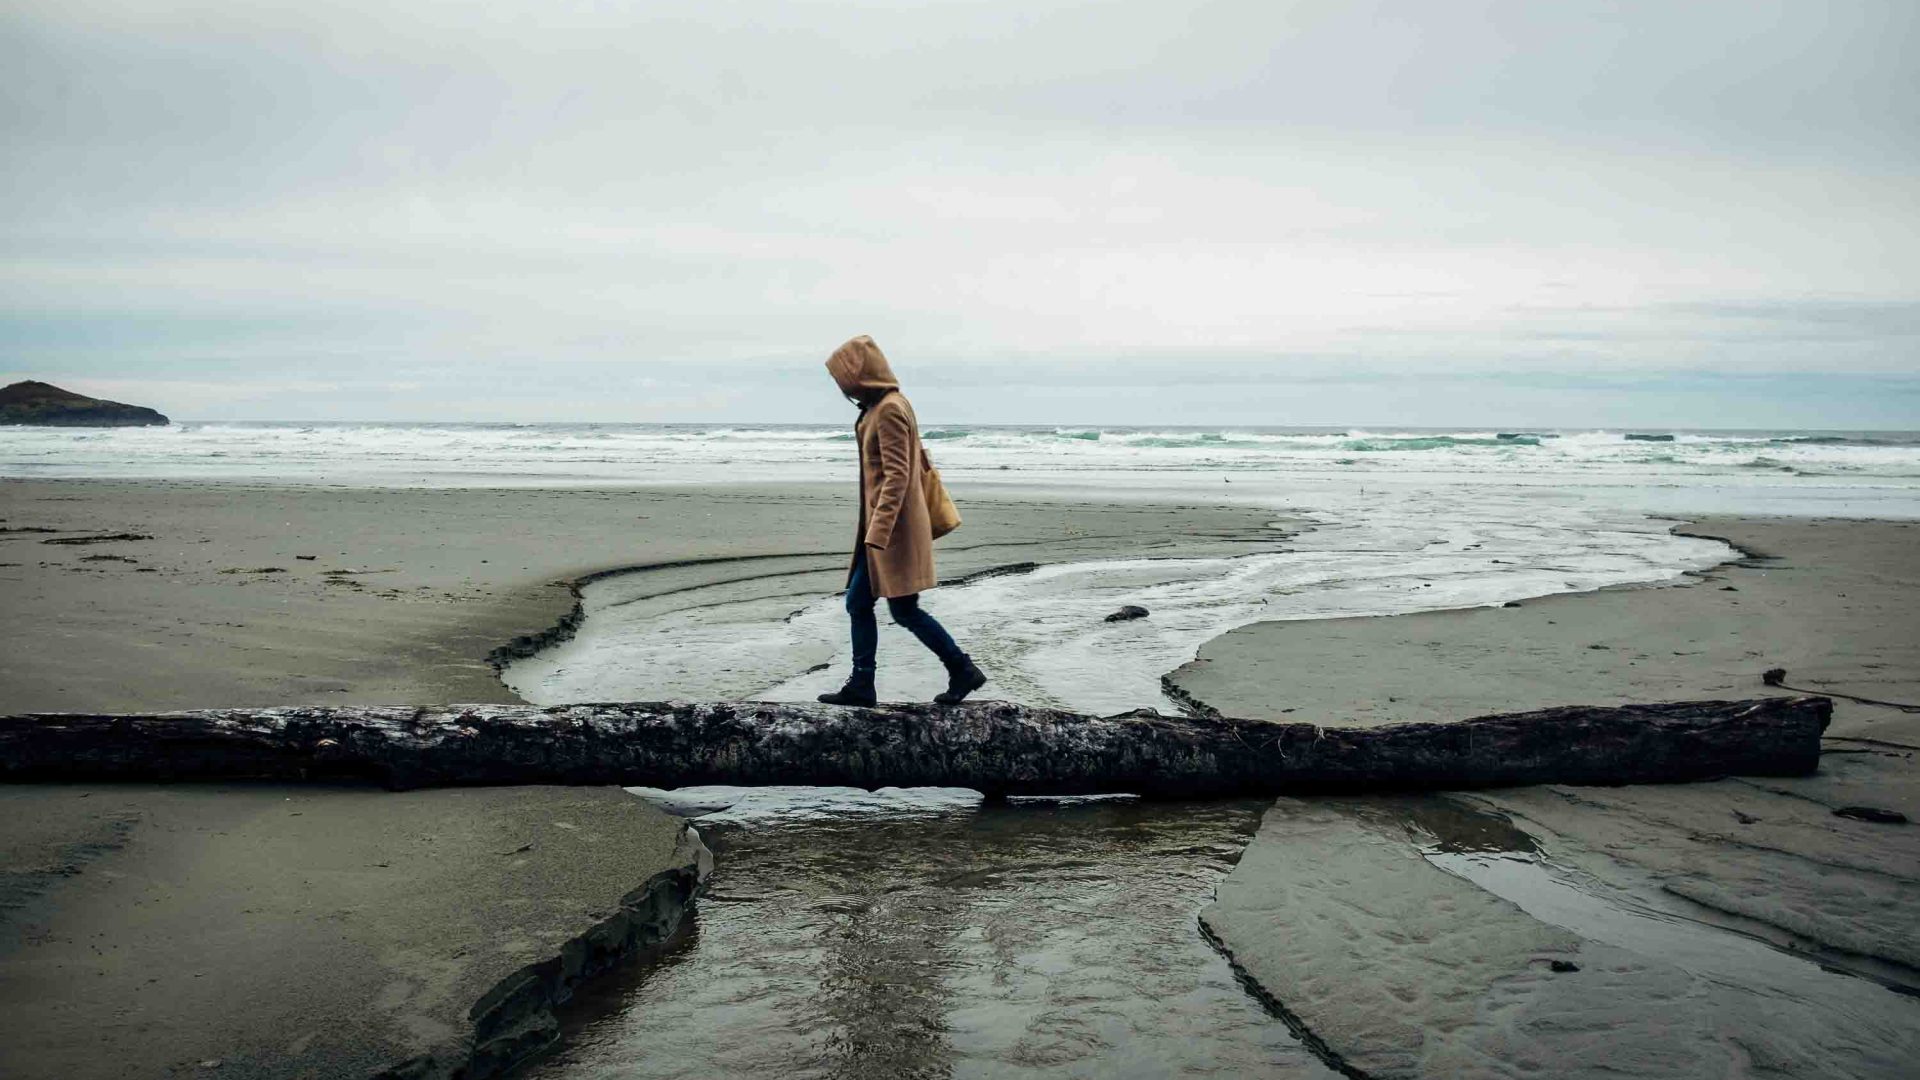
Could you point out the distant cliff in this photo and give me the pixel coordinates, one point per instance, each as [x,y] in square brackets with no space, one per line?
[45,404]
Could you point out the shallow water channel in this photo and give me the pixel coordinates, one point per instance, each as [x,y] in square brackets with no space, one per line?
[922,934]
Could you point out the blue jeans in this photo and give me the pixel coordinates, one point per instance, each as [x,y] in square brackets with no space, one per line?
[906,611]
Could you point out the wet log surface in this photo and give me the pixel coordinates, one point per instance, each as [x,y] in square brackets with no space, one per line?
[993,747]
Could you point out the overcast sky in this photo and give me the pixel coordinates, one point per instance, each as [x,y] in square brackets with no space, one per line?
[1560,213]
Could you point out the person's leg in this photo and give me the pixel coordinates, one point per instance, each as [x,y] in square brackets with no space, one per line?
[866,640]
[907,612]
[866,632]
[963,677]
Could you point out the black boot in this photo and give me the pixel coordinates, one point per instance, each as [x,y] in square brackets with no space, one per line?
[963,678]
[858,691]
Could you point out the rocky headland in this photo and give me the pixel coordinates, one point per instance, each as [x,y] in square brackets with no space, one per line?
[47,405]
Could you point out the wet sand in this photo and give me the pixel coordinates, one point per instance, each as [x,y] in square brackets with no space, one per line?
[1724,928]
[1439,937]
[1836,603]
[315,931]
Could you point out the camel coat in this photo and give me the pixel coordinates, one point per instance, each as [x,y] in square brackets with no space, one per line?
[893,528]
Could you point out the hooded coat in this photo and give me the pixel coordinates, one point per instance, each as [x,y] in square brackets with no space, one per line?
[894,530]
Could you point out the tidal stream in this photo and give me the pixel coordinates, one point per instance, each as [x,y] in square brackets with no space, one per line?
[921,934]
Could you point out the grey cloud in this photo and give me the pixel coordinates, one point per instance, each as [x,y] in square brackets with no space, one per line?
[465,190]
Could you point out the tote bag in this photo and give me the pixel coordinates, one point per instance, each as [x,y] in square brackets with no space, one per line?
[941,513]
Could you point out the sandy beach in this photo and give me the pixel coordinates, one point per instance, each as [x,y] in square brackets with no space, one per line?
[1421,937]
[237,594]
[272,930]
[1436,591]
[135,911]
[1832,602]
[409,591]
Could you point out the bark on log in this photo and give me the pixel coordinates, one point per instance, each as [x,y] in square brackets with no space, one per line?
[993,747]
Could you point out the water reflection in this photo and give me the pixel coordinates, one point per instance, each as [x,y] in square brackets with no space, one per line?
[1441,826]
[925,940]
[1612,902]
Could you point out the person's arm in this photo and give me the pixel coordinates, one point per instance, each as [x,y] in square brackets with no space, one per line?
[893,433]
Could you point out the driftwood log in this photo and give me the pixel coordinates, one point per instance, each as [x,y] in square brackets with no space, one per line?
[993,747]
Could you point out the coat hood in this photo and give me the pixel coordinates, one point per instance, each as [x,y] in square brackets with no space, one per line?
[861,369]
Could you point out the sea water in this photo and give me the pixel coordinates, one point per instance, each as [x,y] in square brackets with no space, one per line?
[1394,523]
[457,454]
[1042,632]
[915,933]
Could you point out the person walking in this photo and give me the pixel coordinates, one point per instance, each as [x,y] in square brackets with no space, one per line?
[893,543]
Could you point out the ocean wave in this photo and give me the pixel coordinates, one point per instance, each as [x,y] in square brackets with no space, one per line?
[1889,439]
[1205,439]
[1434,442]
[420,453]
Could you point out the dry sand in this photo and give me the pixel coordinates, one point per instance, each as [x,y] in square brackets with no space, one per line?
[1414,945]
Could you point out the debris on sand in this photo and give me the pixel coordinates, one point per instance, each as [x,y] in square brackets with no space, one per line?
[1873,814]
[102,538]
